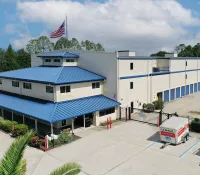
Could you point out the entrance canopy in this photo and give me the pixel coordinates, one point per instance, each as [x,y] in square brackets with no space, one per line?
[54,112]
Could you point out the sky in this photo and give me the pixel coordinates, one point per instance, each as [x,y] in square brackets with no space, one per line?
[144,26]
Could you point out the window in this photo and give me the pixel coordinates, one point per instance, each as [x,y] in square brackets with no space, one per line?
[185,76]
[131,66]
[95,85]
[185,63]
[0,81]
[57,60]
[49,89]
[65,89]
[15,83]
[47,60]
[107,111]
[27,86]
[69,60]
[64,123]
[131,85]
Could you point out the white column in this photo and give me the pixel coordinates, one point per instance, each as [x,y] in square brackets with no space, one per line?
[36,128]
[23,119]
[12,116]
[51,128]
[84,121]
[72,125]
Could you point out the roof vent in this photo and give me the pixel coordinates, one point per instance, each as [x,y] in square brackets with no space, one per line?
[171,55]
[125,53]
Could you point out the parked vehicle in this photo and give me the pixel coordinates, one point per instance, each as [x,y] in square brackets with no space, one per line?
[175,130]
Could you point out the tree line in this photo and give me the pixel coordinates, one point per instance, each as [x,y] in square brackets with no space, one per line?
[183,51]
[12,60]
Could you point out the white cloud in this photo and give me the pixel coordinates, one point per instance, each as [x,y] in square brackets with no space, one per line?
[142,25]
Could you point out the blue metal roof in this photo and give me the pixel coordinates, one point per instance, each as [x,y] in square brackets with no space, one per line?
[54,112]
[61,54]
[53,75]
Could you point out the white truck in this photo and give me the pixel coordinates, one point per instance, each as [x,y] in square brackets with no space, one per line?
[175,130]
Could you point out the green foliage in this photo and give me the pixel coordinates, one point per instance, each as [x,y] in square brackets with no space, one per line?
[75,45]
[148,107]
[68,169]
[6,125]
[159,104]
[12,162]
[23,58]
[195,125]
[9,60]
[42,44]
[159,54]
[19,130]
[64,137]
[36,142]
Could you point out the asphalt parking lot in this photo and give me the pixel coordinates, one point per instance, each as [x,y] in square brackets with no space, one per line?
[130,148]
[185,106]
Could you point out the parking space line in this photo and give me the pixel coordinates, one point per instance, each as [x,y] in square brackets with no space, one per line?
[184,153]
[151,144]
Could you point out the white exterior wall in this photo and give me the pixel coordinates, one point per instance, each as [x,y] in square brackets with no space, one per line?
[36,61]
[102,63]
[191,77]
[78,90]
[177,80]
[177,65]
[37,91]
[191,64]
[163,62]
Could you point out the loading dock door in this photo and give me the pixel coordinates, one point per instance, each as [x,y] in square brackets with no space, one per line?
[195,87]
[182,91]
[198,86]
[191,89]
[178,92]
[166,96]
[172,94]
[187,90]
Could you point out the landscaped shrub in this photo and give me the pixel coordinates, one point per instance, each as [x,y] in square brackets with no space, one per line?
[159,104]
[195,125]
[20,129]
[6,125]
[35,142]
[64,137]
[149,107]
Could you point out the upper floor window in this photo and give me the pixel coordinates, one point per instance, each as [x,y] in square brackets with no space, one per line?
[15,83]
[65,89]
[57,60]
[47,60]
[131,85]
[95,85]
[186,63]
[49,89]
[131,66]
[0,81]
[27,86]
[69,60]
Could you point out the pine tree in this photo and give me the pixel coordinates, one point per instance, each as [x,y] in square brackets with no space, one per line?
[9,62]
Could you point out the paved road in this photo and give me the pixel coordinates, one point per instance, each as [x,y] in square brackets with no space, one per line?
[130,148]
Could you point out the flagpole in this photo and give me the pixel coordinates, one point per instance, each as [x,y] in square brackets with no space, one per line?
[66,31]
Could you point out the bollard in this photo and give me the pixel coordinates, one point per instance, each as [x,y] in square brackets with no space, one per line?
[45,143]
[126,114]
[13,127]
[110,122]
[107,123]
[158,121]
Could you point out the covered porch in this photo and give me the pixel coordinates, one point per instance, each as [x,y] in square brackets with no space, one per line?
[51,118]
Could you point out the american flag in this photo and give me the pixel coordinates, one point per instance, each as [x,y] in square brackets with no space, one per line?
[59,32]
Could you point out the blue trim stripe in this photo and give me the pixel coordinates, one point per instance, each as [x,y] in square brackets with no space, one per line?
[156,73]
[184,153]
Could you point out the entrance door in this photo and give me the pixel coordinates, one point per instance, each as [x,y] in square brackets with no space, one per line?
[182,91]
[159,95]
[88,120]
[172,94]
[191,89]
[178,92]
[187,90]
[78,122]
[166,96]
[195,87]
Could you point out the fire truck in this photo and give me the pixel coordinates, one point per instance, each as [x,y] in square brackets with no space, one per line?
[175,130]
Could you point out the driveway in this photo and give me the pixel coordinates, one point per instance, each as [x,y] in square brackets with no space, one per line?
[130,148]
